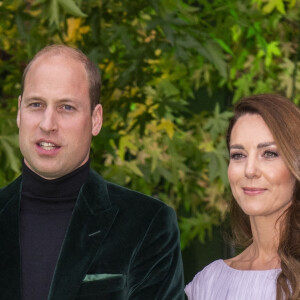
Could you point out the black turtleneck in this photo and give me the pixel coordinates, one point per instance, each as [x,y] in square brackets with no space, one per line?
[46,209]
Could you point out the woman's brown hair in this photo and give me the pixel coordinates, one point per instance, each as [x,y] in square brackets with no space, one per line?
[283,119]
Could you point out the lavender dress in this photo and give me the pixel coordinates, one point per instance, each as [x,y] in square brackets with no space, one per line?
[218,281]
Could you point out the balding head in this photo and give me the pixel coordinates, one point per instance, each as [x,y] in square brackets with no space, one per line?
[91,69]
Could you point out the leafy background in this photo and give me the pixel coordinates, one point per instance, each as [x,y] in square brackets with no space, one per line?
[171,70]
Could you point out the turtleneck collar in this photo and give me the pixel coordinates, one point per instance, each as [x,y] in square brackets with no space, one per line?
[66,187]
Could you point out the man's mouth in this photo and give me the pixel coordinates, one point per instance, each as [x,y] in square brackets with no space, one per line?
[47,146]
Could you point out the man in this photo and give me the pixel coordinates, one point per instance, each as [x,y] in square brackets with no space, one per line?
[65,232]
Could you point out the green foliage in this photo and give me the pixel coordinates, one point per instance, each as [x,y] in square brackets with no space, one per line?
[156,57]
[10,162]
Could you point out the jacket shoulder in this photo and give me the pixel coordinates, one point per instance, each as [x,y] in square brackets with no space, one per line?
[119,194]
[122,195]
[133,202]
[11,187]
[11,190]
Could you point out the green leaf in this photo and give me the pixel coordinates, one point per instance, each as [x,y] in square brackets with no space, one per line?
[70,7]
[12,140]
[54,12]
[273,48]
[216,57]
[20,25]
[217,124]
[37,2]
[168,88]
[274,4]
[198,227]
[132,166]
[224,46]
[12,159]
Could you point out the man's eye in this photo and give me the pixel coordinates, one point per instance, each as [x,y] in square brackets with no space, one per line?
[35,104]
[236,156]
[68,107]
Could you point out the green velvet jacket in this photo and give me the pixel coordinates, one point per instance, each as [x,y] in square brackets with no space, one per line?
[120,244]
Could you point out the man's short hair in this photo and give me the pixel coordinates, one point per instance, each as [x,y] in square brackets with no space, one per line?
[91,69]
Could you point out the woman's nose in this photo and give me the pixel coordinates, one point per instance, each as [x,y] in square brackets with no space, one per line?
[252,168]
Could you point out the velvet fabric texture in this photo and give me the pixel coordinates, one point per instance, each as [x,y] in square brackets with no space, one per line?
[120,244]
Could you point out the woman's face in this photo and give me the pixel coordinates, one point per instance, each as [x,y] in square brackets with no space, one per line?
[260,181]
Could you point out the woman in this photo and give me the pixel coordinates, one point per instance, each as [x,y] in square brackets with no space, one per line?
[263,140]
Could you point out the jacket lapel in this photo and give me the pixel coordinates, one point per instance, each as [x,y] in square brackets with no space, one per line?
[9,241]
[91,221]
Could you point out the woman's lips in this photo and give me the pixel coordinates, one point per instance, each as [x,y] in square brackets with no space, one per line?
[252,191]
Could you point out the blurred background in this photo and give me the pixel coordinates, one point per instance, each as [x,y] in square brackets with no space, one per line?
[171,72]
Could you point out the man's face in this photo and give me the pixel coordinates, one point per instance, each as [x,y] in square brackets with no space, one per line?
[54,116]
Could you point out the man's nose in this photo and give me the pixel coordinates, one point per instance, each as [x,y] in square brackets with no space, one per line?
[252,168]
[49,120]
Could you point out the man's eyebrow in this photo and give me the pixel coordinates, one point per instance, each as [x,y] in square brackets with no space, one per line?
[37,98]
[259,146]
[32,98]
[67,100]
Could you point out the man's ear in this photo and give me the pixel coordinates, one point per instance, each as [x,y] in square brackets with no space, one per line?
[97,118]
[19,108]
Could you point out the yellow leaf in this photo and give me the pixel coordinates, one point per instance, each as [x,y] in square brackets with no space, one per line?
[6,44]
[133,91]
[292,3]
[142,156]
[153,108]
[124,144]
[34,13]
[109,67]
[168,126]
[140,109]
[75,30]
[152,61]
[13,5]
[207,146]
[149,101]
[157,52]
[84,29]
[116,95]
[73,26]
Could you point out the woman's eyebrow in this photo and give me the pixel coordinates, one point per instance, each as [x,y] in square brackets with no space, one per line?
[259,146]
[237,146]
[266,144]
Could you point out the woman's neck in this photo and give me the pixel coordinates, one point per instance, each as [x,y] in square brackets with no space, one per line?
[262,253]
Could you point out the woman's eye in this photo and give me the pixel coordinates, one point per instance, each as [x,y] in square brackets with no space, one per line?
[236,156]
[270,154]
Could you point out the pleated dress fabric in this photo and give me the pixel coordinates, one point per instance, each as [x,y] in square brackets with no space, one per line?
[218,281]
